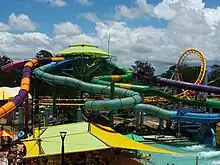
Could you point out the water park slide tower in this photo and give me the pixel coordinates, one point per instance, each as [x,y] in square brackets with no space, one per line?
[57,71]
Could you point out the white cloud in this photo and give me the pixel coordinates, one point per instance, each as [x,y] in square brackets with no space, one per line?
[21,46]
[92,17]
[57,3]
[66,28]
[191,24]
[141,8]
[84,2]
[125,12]
[212,16]
[21,22]
[3,27]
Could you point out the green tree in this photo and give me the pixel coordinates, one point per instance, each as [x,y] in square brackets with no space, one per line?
[214,75]
[43,53]
[4,59]
[188,73]
[145,67]
[8,79]
[169,72]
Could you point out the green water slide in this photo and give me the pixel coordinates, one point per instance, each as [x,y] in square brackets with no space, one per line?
[129,100]
[214,103]
[128,74]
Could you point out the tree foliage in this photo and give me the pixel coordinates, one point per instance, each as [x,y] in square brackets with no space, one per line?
[191,73]
[11,79]
[145,67]
[169,72]
[215,72]
[43,53]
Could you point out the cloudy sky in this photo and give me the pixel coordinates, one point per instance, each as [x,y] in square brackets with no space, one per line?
[153,30]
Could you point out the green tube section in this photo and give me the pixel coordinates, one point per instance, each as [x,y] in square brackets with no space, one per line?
[153,110]
[128,74]
[214,103]
[129,100]
[185,101]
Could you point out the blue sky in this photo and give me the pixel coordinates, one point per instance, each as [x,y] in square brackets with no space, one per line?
[153,30]
[47,15]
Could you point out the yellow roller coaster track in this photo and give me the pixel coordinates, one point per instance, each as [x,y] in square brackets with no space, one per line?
[185,93]
[201,73]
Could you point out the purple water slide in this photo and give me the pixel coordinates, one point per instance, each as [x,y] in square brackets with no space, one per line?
[14,65]
[23,92]
[180,84]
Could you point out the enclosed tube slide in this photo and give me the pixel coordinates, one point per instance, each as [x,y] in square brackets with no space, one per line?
[181,116]
[14,65]
[25,83]
[132,98]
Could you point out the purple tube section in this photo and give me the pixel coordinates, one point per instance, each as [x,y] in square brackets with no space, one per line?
[26,74]
[18,99]
[27,69]
[181,84]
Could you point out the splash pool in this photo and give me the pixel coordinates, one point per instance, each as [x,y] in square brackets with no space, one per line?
[207,155]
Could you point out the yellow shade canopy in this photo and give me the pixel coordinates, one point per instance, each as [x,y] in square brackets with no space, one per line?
[82,137]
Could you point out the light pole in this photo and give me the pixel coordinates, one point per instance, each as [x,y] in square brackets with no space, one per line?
[109,38]
[62,135]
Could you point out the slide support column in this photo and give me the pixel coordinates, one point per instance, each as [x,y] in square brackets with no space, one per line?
[21,119]
[54,98]
[26,111]
[112,95]
[205,83]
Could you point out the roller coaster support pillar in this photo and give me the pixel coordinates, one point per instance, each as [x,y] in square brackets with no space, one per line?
[112,95]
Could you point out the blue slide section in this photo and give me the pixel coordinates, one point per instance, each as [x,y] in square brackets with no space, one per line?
[180,116]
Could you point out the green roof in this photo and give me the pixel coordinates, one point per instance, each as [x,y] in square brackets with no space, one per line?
[82,49]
